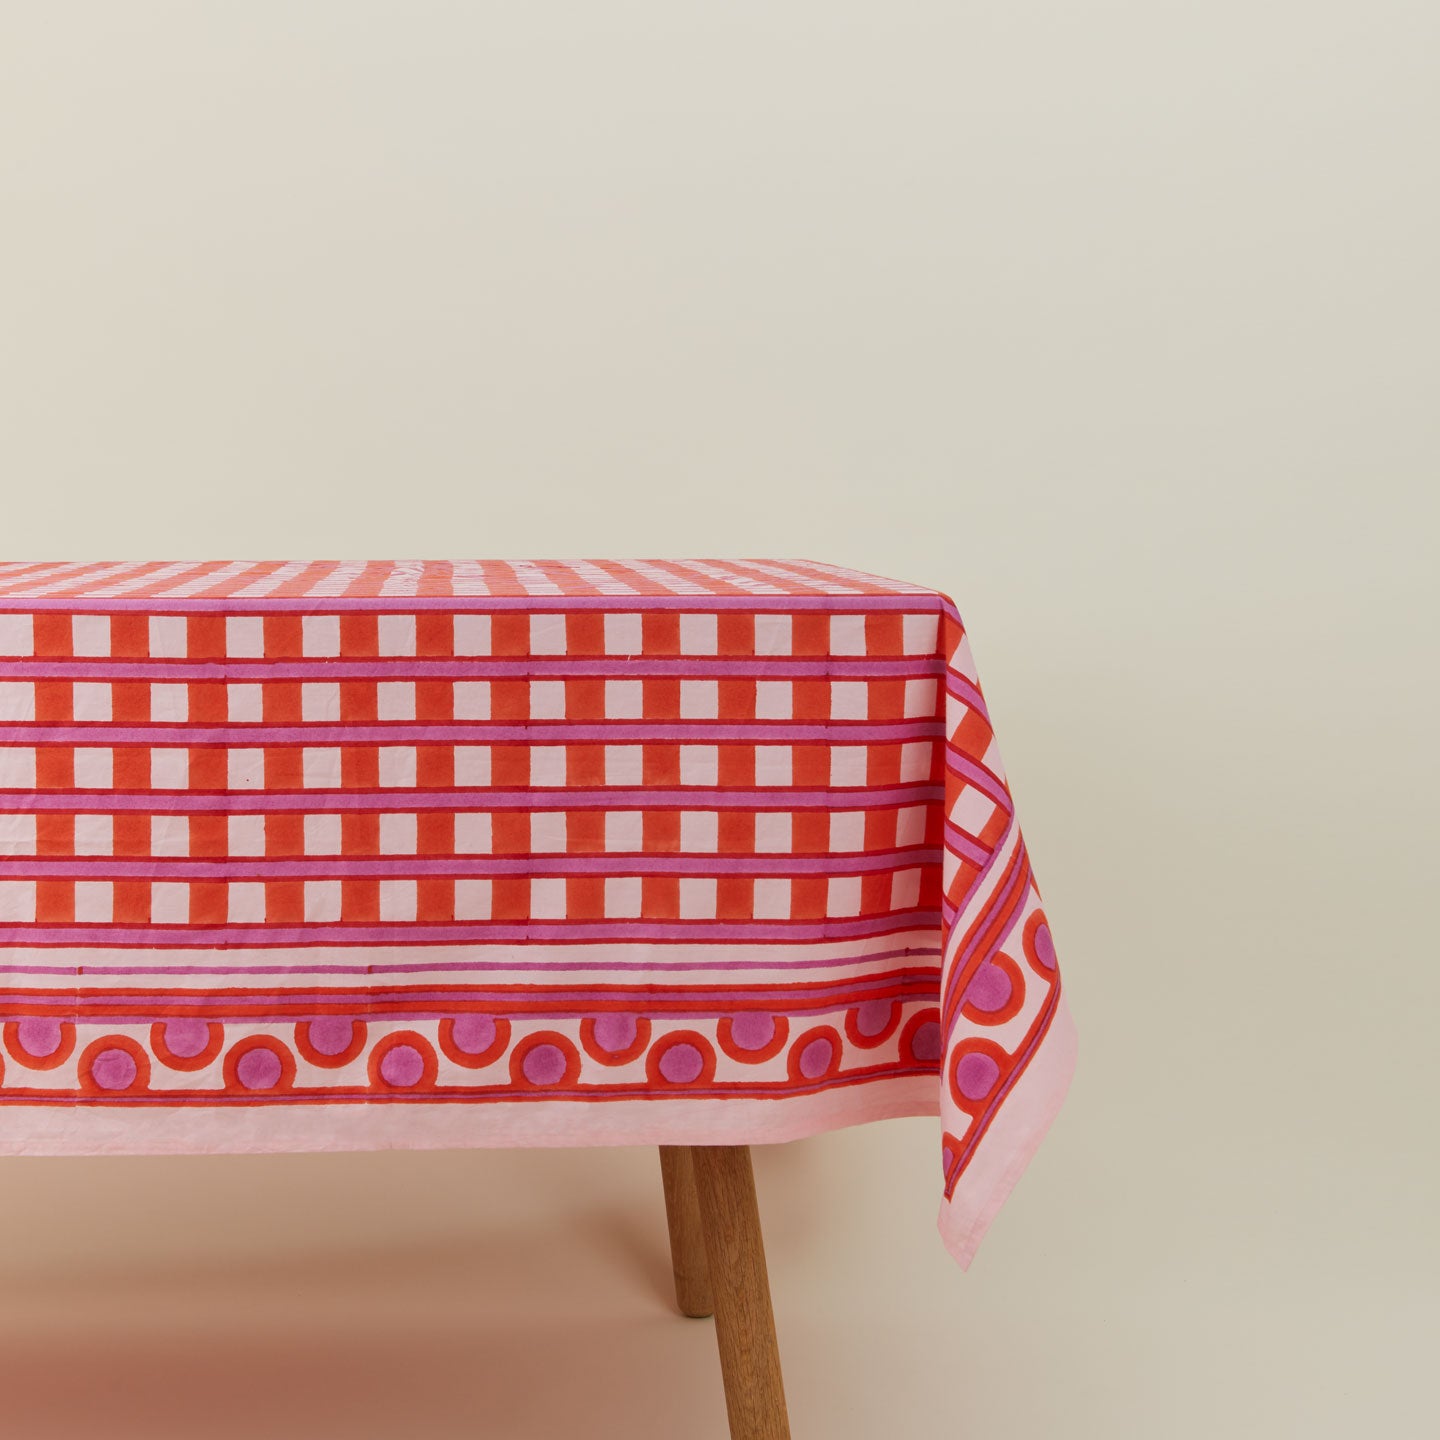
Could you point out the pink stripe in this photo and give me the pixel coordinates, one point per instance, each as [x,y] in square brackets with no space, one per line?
[648,967]
[538,732]
[485,667]
[243,867]
[780,798]
[263,1006]
[409,933]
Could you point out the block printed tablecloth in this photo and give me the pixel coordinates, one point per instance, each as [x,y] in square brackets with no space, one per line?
[312,856]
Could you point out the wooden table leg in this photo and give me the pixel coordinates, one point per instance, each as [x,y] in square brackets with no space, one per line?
[744,1323]
[687,1241]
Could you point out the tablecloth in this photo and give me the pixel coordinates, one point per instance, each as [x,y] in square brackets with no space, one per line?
[331,855]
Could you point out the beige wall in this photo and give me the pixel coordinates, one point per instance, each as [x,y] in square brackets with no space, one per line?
[1118,322]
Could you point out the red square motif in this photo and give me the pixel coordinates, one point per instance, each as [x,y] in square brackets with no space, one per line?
[585,897]
[661,832]
[584,766]
[132,902]
[660,632]
[885,635]
[810,767]
[209,704]
[585,832]
[284,637]
[660,897]
[812,700]
[280,702]
[585,633]
[435,767]
[434,636]
[209,767]
[435,901]
[734,897]
[130,640]
[285,902]
[359,833]
[209,837]
[434,700]
[810,832]
[510,832]
[660,697]
[807,897]
[53,701]
[359,635]
[737,767]
[510,898]
[510,766]
[585,699]
[509,701]
[284,767]
[205,637]
[737,832]
[285,836]
[209,902]
[736,633]
[359,767]
[737,700]
[510,634]
[132,838]
[131,767]
[435,834]
[810,633]
[54,834]
[54,767]
[660,764]
[359,902]
[130,702]
[881,828]
[52,636]
[55,902]
[359,702]
[875,891]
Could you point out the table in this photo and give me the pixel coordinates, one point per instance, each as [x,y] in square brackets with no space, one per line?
[693,854]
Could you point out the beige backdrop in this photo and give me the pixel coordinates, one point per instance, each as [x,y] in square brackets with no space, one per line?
[1118,322]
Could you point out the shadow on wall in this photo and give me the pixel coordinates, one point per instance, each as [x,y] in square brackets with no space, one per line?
[511,1332]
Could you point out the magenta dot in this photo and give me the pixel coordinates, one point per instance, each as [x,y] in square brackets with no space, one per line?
[873,1016]
[259,1069]
[331,1034]
[473,1034]
[615,1032]
[925,1042]
[1044,946]
[816,1058]
[186,1038]
[990,988]
[544,1065]
[38,1036]
[752,1030]
[976,1074]
[114,1070]
[947,1158]
[681,1064]
[402,1066]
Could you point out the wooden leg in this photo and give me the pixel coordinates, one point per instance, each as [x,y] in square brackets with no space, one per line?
[687,1242]
[744,1324]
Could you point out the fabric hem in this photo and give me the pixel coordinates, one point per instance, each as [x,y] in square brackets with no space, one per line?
[418,1125]
[1012,1140]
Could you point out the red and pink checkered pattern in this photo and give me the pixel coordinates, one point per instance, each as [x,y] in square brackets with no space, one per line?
[284,840]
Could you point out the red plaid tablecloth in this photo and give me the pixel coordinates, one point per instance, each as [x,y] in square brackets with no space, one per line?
[350,856]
